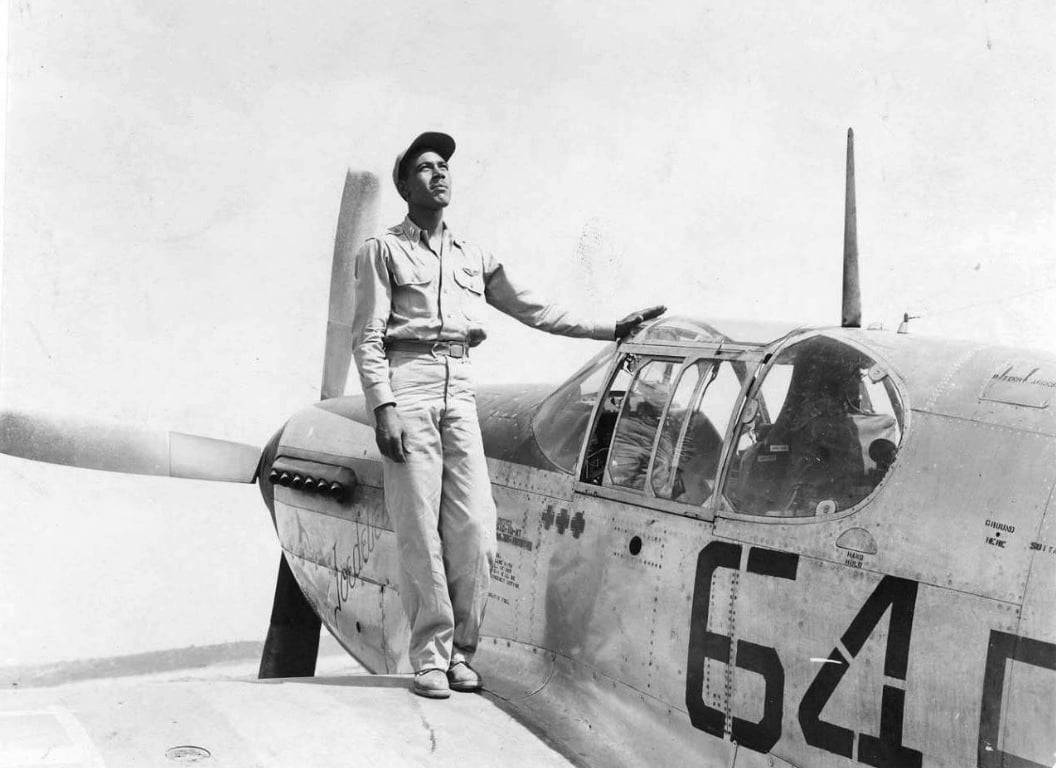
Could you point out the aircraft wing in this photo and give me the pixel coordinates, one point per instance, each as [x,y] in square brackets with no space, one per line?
[354,719]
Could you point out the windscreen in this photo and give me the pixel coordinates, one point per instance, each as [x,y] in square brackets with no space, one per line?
[562,420]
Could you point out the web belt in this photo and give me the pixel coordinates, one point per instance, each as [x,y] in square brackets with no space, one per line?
[449,348]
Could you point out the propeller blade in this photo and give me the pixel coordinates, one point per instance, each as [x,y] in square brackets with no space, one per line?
[292,645]
[78,442]
[355,223]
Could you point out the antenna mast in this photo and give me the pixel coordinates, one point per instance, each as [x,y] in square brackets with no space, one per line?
[852,298]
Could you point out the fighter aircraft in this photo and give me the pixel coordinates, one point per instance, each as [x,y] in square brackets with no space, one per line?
[719,543]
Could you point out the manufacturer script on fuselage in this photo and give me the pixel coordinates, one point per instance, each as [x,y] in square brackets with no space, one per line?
[1021,383]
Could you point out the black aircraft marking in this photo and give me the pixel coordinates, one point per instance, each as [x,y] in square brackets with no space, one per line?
[579,524]
[548,517]
[1002,648]
[885,750]
[703,644]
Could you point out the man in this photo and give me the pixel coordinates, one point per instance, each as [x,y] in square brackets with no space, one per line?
[420,296]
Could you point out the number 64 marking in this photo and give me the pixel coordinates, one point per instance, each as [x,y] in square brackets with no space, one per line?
[883,751]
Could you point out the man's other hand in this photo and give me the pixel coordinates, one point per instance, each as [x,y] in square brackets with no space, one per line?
[629,324]
[389,433]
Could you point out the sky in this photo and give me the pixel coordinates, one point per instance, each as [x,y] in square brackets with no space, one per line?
[173,172]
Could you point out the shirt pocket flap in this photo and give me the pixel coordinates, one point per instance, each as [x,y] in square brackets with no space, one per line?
[470,278]
[407,270]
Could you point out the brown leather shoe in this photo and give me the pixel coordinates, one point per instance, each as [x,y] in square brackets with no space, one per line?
[462,677]
[431,683]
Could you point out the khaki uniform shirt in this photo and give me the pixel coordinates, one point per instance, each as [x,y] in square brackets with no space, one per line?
[406,291]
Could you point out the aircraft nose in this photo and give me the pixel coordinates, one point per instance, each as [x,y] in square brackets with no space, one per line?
[267,476]
[291,458]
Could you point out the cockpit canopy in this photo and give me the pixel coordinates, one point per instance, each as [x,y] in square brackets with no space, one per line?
[686,330]
[813,431]
[818,433]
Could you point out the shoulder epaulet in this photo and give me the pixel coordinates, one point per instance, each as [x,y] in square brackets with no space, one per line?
[363,248]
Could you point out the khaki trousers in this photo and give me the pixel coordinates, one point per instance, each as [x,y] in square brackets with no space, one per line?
[441,508]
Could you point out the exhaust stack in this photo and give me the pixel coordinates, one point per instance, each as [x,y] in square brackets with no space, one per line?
[852,297]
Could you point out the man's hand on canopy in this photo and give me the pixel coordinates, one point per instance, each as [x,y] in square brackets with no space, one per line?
[629,324]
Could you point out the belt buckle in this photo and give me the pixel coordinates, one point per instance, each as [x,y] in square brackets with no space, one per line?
[454,349]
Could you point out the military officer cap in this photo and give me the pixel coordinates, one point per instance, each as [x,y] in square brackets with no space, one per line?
[440,143]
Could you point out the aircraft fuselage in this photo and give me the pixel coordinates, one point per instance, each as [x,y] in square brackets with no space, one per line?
[907,622]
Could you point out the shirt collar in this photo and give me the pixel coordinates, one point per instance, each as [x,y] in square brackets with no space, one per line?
[413,232]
